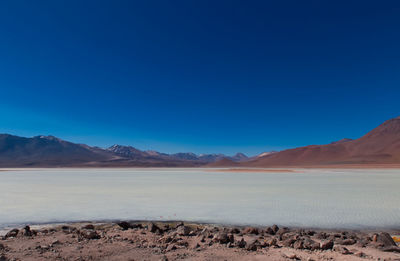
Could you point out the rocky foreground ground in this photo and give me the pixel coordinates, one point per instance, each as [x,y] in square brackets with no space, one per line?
[179,241]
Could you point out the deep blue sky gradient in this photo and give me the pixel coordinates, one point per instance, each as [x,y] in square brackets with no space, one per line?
[201,76]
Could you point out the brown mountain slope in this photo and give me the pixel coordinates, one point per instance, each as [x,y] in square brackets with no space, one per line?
[379,146]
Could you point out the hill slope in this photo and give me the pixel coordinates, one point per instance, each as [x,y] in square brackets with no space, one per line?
[379,146]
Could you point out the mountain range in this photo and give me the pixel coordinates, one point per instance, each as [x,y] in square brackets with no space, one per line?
[50,151]
[379,146]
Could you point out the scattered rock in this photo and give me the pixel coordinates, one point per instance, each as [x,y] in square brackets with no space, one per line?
[360,254]
[89,226]
[3,258]
[251,244]
[124,225]
[283,230]
[275,228]
[241,243]
[269,231]
[222,238]
[391,249]
[234,230]
[183,230]
[153,228]
[288,242]
[12,233]
[346,242]
[385,240]
[2,247]
[310,244]
[326,245]
[250,230]
[291,256]
[88,234]
[298,244]
[271,241]
[55,242]
[170,247]
[321,235]
[342,250]
[179,224]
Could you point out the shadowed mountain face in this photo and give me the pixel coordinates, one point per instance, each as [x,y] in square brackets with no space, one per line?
[380,146]
[49,151]
[46,151]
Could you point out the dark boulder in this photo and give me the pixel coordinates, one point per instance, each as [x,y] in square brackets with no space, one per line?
[241,243]
[12,233]
[234,230]
[283,230]
[28,232]
[89,234]
[275,228]
[326,245]
[269,231]
[183,230]
[288,242]
[153,228]
[222,238]
[385,240]
[124,225]
[89,226]
[395,249]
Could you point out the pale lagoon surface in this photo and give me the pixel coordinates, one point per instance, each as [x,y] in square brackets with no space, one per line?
[320,198]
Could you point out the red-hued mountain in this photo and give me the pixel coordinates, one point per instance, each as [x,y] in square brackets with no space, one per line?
[379,146]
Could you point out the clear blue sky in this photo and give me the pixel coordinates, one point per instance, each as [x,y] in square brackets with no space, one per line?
[201,76]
